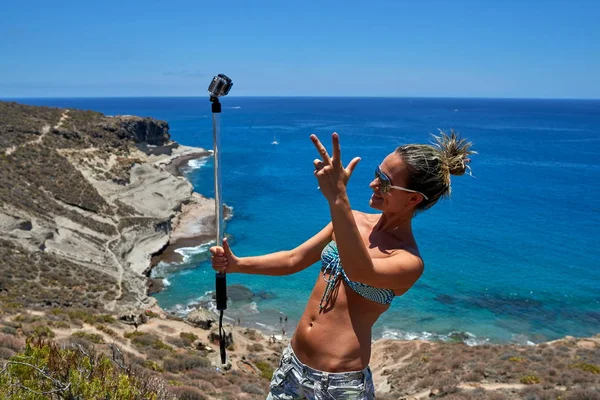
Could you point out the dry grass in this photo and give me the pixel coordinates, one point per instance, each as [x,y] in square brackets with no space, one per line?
[42,280]
[545,368]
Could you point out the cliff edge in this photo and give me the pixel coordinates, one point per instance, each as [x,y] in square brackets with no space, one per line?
[85,200]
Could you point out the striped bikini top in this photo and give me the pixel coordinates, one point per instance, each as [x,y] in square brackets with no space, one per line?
[332,266]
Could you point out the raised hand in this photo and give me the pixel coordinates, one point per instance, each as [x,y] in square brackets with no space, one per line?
[330,171]
[223,259]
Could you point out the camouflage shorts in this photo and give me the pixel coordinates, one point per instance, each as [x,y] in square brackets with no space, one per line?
[293,380]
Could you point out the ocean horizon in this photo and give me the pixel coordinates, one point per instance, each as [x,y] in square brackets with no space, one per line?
[512,257]
[230,97]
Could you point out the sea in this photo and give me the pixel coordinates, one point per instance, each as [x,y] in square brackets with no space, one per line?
[512,257]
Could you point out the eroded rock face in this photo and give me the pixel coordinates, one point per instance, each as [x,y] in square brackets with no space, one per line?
[143,130]
[155,285]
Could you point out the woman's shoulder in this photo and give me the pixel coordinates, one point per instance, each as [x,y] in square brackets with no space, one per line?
[365,217]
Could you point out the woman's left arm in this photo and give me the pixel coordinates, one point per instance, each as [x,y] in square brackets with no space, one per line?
[395,272]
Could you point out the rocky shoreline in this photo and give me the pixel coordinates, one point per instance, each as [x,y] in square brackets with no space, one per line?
[93,198]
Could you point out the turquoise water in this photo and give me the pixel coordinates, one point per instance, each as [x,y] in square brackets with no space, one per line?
[512,257]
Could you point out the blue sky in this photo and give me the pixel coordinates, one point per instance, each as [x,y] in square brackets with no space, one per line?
[485,48]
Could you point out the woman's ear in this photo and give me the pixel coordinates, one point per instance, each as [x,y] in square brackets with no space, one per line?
[414,199]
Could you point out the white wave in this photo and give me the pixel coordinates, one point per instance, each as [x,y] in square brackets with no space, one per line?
[166,282]
[469,338]
[162,269]
[401,335]
[234,107]
[266,326]
[197,163]
[180,310]
[212,306]
[251,308]
[188,252]
[522,340]
[230,208]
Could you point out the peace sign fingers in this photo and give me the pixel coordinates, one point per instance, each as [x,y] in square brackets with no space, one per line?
[321,149]
[337,151]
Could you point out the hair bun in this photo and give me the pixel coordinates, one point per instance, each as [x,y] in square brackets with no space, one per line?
[454,151]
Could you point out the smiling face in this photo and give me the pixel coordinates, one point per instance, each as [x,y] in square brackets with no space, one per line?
[395,200]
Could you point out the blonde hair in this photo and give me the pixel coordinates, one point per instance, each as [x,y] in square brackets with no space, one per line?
[430,166]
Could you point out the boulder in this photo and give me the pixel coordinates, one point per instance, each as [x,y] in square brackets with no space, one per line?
[238,293]
[154,285]
[133,318]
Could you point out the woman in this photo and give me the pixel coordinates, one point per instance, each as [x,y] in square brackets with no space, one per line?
[367,260]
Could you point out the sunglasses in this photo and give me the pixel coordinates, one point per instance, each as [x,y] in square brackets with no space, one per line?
[386,184]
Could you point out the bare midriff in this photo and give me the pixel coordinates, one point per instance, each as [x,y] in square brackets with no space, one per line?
[336,338]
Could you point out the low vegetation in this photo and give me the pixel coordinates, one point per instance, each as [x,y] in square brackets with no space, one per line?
[561,370]
[154,364]
[178,363]
[41,280]
[45,370]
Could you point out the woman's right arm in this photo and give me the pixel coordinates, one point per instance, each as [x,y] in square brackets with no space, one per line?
[279,263]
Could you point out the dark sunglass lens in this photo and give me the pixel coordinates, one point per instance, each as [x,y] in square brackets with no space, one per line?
[384,181]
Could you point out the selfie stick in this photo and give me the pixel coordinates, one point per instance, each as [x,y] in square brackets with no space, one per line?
[219,86]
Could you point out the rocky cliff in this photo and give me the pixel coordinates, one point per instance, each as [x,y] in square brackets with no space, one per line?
[85,200]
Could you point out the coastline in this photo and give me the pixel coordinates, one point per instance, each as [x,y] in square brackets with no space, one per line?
[175,166]
[153,209]
[193,233]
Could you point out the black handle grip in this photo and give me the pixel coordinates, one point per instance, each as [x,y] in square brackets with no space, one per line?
[223,351]
[221,285]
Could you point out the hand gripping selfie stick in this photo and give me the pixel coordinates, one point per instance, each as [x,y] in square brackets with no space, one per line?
[219,86]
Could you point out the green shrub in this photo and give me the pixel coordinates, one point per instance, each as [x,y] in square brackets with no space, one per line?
[266,371]
[107,330]
[92,337]
[9,330]
[188,338]
[71,373]
[188,393]
[529,380]
[11,342]
[152,365]
[133,334]
[594,369]
[185,363]
[152,314]
[160,345]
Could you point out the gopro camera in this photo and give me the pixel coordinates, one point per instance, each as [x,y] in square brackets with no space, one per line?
[220,86]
